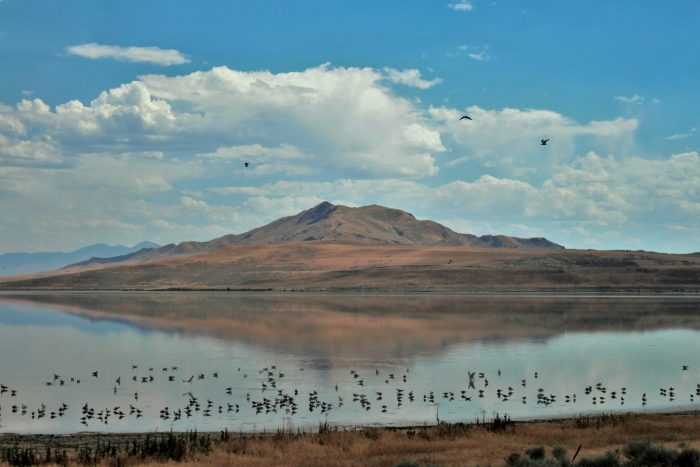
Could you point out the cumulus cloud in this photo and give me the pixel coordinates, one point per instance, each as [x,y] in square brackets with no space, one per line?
[20,153]
[153,55]
[339,118]
[161,158]
[509,138]
[410,78]
[10,123]
[343,119]
[335,119]
[130,150]
[462,5]
[593,196]
[611,191]
[596,198]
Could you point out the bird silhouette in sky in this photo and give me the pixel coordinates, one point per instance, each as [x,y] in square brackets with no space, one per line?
[465,117]
[543,142]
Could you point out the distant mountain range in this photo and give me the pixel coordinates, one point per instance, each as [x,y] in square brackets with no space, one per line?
[28,263]
[327,222]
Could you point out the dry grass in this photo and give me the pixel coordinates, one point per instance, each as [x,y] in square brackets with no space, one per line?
[448,445]
[455,446]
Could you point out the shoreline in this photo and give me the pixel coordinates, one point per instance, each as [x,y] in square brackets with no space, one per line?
[445,444]
[573,293]
[680,413]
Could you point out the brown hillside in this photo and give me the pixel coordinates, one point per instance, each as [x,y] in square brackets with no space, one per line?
[381,267]
[330,223]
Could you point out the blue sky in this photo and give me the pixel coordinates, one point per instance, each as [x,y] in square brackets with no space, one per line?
[130,120]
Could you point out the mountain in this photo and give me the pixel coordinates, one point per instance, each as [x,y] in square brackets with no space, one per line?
[372,248]
[327,222]
[27,263]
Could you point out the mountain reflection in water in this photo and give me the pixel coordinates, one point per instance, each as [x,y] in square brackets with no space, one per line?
[348,359]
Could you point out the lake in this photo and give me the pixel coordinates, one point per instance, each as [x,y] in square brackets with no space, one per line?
[123,362]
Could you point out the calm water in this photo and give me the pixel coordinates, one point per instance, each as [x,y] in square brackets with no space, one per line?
[247,362]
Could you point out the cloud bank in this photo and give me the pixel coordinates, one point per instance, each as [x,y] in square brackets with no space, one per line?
[161,158]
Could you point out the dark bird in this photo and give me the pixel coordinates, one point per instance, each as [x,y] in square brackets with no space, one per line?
[463,117]
[544,142]
[246,164]
[94,373]
[685,367]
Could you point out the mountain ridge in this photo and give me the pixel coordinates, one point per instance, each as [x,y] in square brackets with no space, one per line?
[27,263]
[338,223]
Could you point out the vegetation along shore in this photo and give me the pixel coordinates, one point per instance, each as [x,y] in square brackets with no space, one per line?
[586,440]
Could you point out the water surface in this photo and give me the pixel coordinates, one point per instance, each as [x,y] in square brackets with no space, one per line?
[263,362]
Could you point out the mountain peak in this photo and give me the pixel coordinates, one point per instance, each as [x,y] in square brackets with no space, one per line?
[317,213]
[364,224]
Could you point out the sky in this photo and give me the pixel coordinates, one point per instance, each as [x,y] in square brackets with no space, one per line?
[123,121]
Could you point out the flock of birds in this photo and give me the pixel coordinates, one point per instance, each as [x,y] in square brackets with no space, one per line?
[267,392]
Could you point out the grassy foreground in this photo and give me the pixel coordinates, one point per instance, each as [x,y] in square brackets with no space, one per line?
[627,439]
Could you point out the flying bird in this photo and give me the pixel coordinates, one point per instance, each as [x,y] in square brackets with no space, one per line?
[543,142]
[246,164]
[465,117]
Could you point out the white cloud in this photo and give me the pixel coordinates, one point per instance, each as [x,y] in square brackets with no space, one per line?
[140,160]
[510,138]
[67,207]
[479,57]
[685,135]
[329,119]
[462,5]
[38,153]
[479,54]
[132,152]
[10,123]
[149,183]
[612,191]
[410,78]
[154,55]
[257,151]
[635,99]
[341,118]
[593,196]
